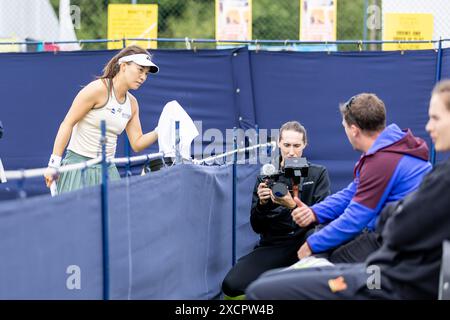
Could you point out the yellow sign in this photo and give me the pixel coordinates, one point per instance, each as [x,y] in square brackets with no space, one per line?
[407,26]
[132,21]
[9,47]
[318,20]
[234,20]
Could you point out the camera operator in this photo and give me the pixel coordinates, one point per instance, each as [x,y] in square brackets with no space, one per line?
[271,217]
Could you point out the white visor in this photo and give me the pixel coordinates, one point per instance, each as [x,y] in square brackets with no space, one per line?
[141,59]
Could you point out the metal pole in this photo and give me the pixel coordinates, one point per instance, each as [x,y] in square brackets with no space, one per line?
[257,142]
[437,79]
[366,5]
[373,31]
[127,154]
[126,142]
[105,220]
[234,197]
[177,142]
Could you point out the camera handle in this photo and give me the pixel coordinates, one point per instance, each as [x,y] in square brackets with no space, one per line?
[297,187]
[297,190]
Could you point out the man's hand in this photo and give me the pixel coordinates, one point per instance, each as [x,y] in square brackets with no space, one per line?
[264,193]
[303,215]
[285,201]
[304,251]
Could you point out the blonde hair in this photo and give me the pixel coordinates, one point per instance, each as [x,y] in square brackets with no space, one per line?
[443,89]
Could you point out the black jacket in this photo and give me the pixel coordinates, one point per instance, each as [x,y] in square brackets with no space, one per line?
[274,222]
[411,253]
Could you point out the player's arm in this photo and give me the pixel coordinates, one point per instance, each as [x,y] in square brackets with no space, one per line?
[138,140]
[89,97]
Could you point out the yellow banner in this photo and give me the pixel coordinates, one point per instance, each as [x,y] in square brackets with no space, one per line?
[234,20]
[9,47]
[407,26]
[318,20]
[132,21]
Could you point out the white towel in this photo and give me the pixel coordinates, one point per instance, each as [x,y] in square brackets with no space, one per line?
[166,130]
[310,262]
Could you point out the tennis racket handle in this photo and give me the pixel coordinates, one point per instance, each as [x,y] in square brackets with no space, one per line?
[53,189]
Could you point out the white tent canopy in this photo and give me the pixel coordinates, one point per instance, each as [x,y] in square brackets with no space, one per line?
[36,19]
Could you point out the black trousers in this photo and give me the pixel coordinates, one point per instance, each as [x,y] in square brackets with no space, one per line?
[354,251]
[342,281]
[267,257]
[261,259]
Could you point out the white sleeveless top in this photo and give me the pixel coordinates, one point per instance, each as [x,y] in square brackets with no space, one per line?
[86,134]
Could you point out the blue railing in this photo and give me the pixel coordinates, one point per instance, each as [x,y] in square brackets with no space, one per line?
[243,42]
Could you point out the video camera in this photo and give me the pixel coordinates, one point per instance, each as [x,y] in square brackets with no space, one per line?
[294,168]
[279,189]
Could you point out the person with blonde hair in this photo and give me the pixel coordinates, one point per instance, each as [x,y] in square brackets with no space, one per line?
[106,98]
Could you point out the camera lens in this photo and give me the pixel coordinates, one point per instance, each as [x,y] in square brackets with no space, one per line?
[279,189]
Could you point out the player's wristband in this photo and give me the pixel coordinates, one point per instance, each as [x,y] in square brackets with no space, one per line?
[156,129]
[55,161]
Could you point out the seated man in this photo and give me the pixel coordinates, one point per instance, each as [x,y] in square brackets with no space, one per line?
[271,216]
[408,263]
[392,164]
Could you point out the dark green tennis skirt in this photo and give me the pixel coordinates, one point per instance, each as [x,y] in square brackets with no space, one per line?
[77,179]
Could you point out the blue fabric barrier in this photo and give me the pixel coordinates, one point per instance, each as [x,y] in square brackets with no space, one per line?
[245,237]
[42,237]
[308,87]
[179,223]
[170,237]
[222,88]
